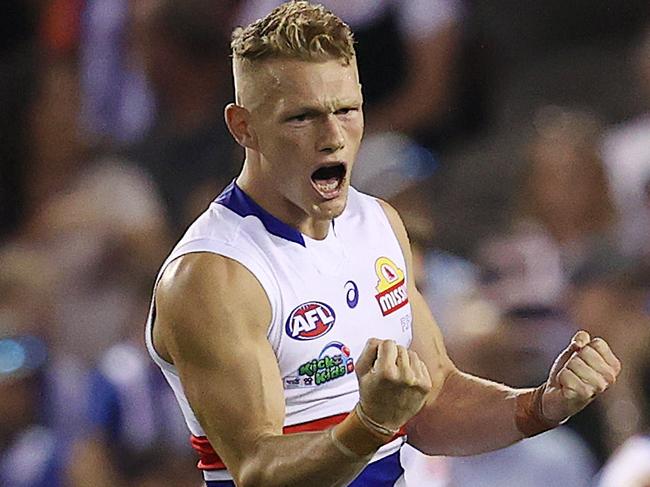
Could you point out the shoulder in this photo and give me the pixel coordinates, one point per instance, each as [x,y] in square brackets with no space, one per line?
[203,290]
[195,276]
[204,299]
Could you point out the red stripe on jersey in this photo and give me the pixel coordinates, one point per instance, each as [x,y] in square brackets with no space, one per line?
[209,459]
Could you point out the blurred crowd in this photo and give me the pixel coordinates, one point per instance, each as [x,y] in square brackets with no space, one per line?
[515,142]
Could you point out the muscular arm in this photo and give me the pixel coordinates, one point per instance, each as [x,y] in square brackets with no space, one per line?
[212,319]
[468,415]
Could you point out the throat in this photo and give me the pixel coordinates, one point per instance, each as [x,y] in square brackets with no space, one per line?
[316,229]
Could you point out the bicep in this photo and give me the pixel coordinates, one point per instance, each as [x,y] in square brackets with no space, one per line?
[214,316]
[428,341]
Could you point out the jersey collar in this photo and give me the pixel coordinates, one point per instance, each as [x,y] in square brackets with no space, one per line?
[234,198]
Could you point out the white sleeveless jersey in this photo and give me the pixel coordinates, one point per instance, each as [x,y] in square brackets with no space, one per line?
[328,297]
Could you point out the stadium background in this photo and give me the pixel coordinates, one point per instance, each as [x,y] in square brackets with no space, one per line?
[514,137]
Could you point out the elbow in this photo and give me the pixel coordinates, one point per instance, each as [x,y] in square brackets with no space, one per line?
[421,443]
[248,480]
[427,431]
[252,474]
[248,476]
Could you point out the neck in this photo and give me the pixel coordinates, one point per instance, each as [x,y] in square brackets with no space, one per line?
[257,187]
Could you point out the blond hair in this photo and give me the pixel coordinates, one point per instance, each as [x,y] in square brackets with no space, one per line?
[295,30]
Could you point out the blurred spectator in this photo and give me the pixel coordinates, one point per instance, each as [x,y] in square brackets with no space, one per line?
[31,454]
[553,52]
[99,221]
[57,150]
[60,27]
[407,55]
[117,105]
[136,434]
[390,164]
[566,190]
[626,153]
[522,272]
[609,298]
[189,153]
[27,307]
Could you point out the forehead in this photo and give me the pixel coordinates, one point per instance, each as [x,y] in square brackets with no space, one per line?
[288,82]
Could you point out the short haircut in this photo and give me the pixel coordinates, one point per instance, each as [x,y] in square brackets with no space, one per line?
[295,30]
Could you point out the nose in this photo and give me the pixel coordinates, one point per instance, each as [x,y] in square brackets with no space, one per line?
[331,135]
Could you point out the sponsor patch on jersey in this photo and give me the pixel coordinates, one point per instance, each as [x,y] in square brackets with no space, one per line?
[310,320]
[391,286]
[333,362]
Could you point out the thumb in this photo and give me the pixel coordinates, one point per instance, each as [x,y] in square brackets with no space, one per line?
[367,357]
[580,340]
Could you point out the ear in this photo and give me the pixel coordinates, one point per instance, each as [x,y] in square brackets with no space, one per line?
[238,122]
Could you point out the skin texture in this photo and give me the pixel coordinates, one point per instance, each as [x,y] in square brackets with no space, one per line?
[292,116]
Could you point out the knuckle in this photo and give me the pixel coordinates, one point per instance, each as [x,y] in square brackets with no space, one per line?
[390,376]
[581,391]
[424,387]
[617,365]
[599,343]
[586,391]
[587,353]
[564,377]
[610,376]
[383,343]
[569,393]
[409,379]
[573,366]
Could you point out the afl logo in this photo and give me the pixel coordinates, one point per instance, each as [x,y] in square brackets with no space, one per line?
[310,320]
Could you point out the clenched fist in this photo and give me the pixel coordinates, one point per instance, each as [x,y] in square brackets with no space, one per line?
[586,368]
[393,383]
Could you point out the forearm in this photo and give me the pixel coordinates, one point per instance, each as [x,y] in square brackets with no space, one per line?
[470,416]
[325,458]
[303,459]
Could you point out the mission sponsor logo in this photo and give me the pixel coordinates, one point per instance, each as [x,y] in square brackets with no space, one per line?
[391,286]
[333,362]
[310,320]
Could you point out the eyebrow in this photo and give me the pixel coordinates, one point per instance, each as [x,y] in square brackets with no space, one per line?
[329,107]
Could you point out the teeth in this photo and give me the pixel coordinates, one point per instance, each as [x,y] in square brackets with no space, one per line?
[328,186]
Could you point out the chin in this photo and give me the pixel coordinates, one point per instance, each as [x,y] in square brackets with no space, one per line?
[332,208]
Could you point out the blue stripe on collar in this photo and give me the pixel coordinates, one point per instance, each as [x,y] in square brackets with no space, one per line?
[234,198]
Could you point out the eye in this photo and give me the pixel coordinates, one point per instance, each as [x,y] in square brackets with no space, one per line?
[345,111]
[299,118]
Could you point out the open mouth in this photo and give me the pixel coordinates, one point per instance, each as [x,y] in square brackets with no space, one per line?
[328,180]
